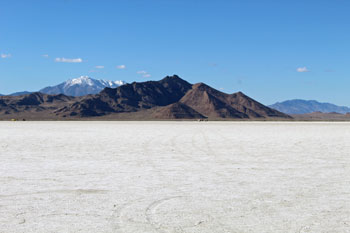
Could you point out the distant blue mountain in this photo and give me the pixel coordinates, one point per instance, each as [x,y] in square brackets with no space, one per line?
[298,106]
[20,93]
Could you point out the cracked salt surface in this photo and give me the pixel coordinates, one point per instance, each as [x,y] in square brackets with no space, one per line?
[181,177]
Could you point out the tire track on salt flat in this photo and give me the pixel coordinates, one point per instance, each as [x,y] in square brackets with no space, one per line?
[191,218]
[204,165]
[118,219]
[149,212]
[211,157]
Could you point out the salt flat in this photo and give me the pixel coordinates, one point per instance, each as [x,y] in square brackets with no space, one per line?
[181,177]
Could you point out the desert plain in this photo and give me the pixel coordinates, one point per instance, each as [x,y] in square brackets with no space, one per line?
[174,177]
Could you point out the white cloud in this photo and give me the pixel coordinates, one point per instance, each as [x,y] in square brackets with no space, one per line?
[121,67]
[302,69]
[69,60]
[144,73]
[45,55]
[5,55]
[99,67]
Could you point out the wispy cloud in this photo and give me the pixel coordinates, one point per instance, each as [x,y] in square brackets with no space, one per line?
[69,60]
[45,55]
[99,67]
[303,69]
[144,73]
[5,55]
[121,67]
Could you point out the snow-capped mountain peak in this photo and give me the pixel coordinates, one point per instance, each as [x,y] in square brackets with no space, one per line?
[111,84]
[82,85]
[82,80]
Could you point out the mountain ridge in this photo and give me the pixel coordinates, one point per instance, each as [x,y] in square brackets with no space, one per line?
[300,106]
[168,98]
[80,86]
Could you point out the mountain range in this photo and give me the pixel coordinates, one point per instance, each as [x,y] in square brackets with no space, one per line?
[169,98]
[18,93]
[298,106]
[80,86]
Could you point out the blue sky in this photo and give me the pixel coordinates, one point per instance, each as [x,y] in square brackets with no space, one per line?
[271,50]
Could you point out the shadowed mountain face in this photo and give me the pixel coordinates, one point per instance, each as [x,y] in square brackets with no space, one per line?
[25,105]
[169,98]
[308,106]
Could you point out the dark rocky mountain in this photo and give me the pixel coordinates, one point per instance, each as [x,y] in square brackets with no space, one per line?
[130,98]
[169,98]
[26,105]
[210,102]
[215,104]
[299,106]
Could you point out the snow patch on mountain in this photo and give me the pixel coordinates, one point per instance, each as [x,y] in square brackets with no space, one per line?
[82,85]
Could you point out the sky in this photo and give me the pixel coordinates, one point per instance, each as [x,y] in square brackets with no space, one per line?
[271,50]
